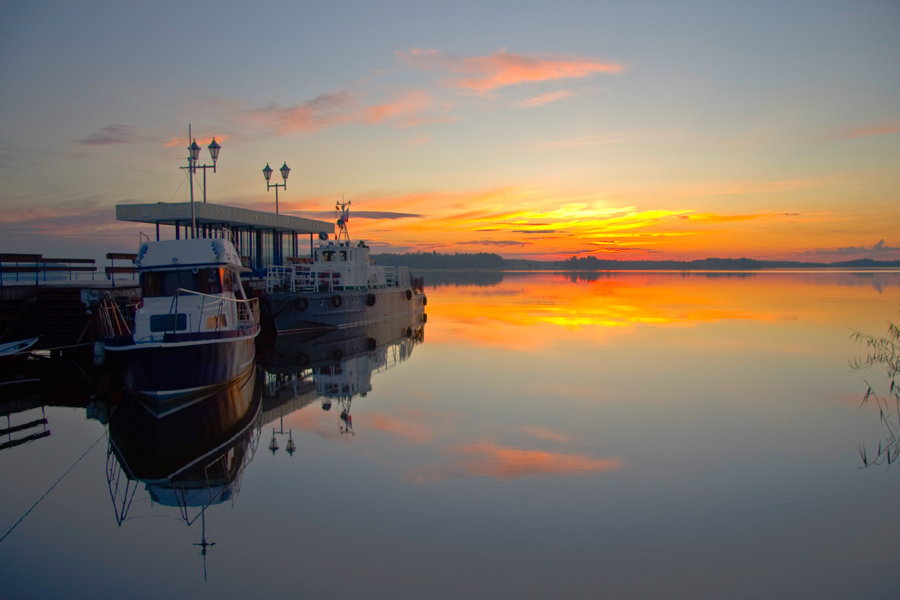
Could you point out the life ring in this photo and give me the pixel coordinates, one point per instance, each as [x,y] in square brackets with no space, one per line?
[424,300]
[336,301]
[409,294]
[424,318]
[409,332]
[337,355]
[371,343]
[301,360]
[370,300]
[301,304]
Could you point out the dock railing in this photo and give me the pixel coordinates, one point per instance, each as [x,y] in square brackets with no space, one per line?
[40,266]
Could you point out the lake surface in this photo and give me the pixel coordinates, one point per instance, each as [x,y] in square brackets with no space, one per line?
[625,435]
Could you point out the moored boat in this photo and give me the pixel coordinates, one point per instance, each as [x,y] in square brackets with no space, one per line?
[340,285]
[19,349]
[195,328]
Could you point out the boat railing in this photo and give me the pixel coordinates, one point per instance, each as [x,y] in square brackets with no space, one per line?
[281,279]
[213,311]
[303,278]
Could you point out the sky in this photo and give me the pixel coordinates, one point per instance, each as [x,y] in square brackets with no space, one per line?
[639,130]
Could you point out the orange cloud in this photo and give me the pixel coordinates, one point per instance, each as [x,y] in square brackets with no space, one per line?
[328,110]
[543,99]
[501,69]
[485,459]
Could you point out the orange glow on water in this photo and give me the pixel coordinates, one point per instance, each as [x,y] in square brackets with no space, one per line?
[529,312]
[487,459]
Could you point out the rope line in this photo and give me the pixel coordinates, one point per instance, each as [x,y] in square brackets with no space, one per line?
[102,435]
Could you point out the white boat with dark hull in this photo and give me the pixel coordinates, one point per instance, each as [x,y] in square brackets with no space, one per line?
[194,330]
[339,286]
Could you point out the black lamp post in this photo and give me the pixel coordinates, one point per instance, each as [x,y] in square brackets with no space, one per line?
[193,157]
[267,173]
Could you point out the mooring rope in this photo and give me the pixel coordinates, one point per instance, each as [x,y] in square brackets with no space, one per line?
[54,485]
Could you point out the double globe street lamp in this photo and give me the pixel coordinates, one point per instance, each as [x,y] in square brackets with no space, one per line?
[193,157]
[267,173]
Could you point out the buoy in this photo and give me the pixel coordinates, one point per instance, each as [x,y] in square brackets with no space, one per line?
[99,353]
[336,301]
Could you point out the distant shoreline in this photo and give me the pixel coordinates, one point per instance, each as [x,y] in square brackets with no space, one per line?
[495,262]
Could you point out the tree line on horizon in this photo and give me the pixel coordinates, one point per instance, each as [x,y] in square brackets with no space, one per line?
[490,261]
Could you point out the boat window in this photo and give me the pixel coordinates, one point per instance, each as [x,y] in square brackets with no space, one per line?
[167,283]
[227,280]
[170,322]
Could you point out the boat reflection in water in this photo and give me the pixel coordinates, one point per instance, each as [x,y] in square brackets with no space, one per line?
[189,460]
[334,367]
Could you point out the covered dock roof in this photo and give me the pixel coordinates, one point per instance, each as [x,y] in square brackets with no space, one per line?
[261,238]
[217,215]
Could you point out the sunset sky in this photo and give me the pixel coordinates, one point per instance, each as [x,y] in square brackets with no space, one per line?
[533,130]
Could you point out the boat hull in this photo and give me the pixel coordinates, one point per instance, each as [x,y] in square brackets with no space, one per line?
[169,374]
[310,312]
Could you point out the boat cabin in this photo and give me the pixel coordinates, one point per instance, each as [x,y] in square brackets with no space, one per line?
[189,286]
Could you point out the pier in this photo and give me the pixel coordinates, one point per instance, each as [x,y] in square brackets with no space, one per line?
[57,299]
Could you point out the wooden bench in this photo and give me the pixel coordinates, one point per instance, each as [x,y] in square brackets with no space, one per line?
[113,269]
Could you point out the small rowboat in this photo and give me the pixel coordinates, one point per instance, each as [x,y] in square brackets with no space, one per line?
[11,349]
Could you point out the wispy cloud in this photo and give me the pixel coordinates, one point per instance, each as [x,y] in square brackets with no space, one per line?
[543,99]
[482,74]
[414,107]
[885,128]
[111,135]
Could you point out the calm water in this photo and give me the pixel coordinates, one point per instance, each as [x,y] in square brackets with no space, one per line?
[617,436]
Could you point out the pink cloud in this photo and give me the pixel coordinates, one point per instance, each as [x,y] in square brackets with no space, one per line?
[501,69]
[543,99]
